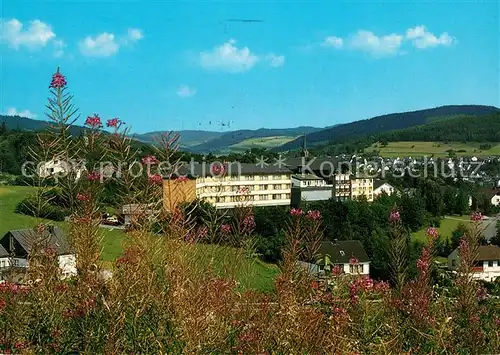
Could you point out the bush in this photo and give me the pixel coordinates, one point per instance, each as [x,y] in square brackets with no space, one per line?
[30,207]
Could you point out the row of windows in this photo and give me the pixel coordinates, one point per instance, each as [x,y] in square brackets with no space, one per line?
[243,189]
[225,199]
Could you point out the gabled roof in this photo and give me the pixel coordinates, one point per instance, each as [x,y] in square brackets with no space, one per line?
[194,170]
[488,253]
[341,251]
[3,253]
[377,183]
[52,237]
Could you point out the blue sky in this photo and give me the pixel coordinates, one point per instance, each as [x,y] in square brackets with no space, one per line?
[187,65]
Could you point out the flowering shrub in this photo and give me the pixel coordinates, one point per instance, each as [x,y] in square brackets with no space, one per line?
[167,295]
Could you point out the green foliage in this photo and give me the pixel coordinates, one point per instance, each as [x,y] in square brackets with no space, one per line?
[55,207]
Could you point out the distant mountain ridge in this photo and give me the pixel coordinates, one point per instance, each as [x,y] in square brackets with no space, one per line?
[385,123]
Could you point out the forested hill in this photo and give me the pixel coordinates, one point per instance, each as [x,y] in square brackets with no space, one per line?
[385,123]
[484,128]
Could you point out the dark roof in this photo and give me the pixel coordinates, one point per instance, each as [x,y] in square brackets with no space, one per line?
[233,169]
[491,192]
[377,183]
[324,165]
[3,253]
[488,253]
[306,177]
[341,251]
[52,237]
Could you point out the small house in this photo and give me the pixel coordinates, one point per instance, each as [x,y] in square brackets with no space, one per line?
[347,256]
[18,244]
[487,264]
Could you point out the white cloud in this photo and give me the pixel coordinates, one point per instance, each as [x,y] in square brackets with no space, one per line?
[24,113]
[333,42]
[135,34]
[421,38]
[35,35]
[275,60]
[229,58]
[107,44]
[103,45]
[185,91]
[377,46]
[387,45]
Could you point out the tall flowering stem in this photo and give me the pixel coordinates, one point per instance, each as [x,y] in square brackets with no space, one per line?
[398,251]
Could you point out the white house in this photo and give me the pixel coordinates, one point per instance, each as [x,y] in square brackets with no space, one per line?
[495,199]
[487,265]
[58,166]
[19,243]
[379,187]
[348,256]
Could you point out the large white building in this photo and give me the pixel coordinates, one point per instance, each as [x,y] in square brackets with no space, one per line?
[230,185]
[487,265]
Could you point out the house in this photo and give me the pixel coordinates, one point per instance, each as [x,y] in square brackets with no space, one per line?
[487,265]
[380,187]
[19,243]
[134,212]
[57,166]
[309,187]
[228,185]
[348,256]
[4,261]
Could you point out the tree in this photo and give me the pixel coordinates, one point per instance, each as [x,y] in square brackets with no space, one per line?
[496,239]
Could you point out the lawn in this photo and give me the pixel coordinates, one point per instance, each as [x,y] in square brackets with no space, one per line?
[415,149]
[263,142]
[448,225]
[256,275]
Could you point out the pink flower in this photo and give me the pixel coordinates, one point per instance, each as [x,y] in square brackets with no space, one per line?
[83,197]
[156,179]
[58,80]
[477,216]
[243,191]
[94,176]
[337,270]
[225,228]
[395,216]
[313,215]
[114,122]
[353,261]
[181,179]
[93,121]
[463,246]
[249,221]
[296,212]
[150,160]
[432,233]
[217,169]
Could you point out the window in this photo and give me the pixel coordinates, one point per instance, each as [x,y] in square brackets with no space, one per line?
[490,263]
[276,197]
[356,269]
[453,263]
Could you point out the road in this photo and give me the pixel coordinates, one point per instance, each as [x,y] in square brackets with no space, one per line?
[489,225]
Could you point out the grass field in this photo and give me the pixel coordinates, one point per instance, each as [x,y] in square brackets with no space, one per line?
[415,149]
[264,142]
[259,275]
[448,225]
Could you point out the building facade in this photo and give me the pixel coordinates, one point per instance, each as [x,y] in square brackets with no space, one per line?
[230,186]
[309,187]
[362,187]
[380,187]
[487,265]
